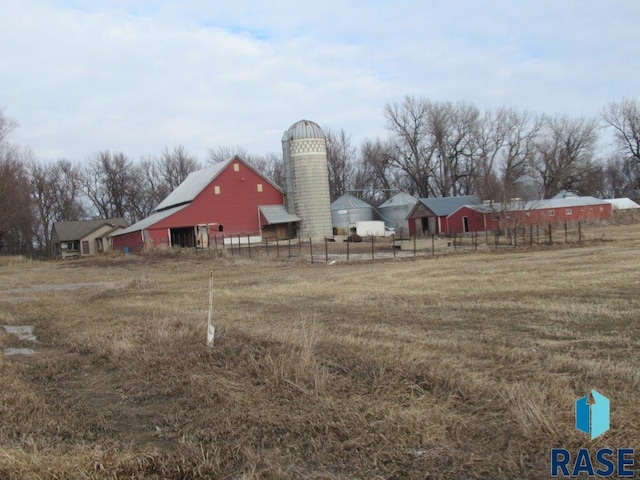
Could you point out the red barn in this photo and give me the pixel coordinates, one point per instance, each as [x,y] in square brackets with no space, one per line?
[229,199]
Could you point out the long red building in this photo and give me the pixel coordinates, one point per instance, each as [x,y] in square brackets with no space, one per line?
[229,199]
[480,218]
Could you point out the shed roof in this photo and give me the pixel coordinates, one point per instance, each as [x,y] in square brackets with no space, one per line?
[622,203]
[444,206]
[77,229]
[152,219]
[275,214]
[346,202]
[401,199]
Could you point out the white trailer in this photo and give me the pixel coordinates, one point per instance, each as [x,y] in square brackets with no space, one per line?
[370,228]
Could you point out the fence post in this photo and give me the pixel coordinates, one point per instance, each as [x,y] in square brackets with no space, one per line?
[311,249]
[393,244]
[537,234]
[372,254]
[433,245]
[249,245]
[277,247]
[299,245]
[289,247]
[326,250]
[348,242]
[515,237]
[550,238]
[566,240]
[414,246]
[266,244]
[580,232]
[496,238]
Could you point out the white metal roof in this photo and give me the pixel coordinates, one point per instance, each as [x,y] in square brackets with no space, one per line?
[347,201]
[152,219]
[277,214]
[400,199]
[622,203]
[195,182]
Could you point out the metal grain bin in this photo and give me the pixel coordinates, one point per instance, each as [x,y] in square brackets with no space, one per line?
[347,210]
[394,212]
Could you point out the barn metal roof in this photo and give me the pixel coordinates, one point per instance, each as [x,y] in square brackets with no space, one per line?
[274,214]
[566,202]
[622,203]
[152,219]
[444,206]
[347,202]
[400,200]
[195,182]
[75,230]
[560,202]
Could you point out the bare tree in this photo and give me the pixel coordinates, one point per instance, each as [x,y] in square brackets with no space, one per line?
[451,128]
[110,182]
[621,178]
[340,161]
[16,219]
[375,175]
[174,166]
[624,118]
[565,153]
[56,193]
[408,124]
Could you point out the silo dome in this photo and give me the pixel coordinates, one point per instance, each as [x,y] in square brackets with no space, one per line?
[304,149]
[303,129]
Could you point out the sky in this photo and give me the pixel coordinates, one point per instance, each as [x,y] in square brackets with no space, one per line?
[137,77]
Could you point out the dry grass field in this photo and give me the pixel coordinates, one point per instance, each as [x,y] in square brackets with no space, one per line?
[458,366]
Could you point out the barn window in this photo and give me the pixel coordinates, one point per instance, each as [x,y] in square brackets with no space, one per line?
[567,211]
[552,213]
[236,167]
[216,190]
[259,187]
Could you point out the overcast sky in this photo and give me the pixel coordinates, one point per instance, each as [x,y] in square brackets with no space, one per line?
[138,76]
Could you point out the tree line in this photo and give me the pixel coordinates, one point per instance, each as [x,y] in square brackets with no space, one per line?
[432,149]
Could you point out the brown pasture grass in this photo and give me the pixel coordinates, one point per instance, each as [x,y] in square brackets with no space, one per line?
[458,366]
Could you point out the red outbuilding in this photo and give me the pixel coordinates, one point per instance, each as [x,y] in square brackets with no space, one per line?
[554,211]
[229,199]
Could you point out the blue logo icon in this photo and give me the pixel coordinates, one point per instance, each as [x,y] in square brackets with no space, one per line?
[592,417]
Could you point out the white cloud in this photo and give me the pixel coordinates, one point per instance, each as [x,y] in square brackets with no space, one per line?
[138,76]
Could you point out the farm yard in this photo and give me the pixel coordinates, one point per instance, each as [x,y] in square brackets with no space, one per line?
[462,365]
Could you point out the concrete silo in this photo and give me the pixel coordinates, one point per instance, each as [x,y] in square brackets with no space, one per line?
[394,212]
[304,150]
[347,210]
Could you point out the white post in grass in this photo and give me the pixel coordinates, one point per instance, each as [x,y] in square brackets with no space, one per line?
[210,329]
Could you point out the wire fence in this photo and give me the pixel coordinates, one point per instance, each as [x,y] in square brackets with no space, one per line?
[328,250]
